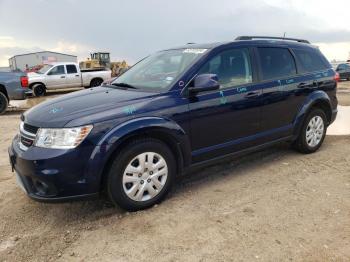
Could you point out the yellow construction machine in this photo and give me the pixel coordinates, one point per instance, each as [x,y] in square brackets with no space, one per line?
[102,60]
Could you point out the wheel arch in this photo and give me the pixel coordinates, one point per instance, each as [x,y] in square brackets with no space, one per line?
[318,99]
[36,83]
[96,78]
[161,129]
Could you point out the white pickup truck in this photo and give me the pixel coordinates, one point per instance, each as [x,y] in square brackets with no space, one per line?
[65,75]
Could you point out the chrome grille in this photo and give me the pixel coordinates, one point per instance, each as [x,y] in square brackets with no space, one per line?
[27,135]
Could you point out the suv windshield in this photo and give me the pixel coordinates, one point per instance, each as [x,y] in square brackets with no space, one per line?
[44,69]
[158,71]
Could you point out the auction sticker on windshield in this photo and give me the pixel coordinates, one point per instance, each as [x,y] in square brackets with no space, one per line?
[195,51]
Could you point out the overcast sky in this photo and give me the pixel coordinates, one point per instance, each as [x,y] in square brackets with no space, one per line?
[132,29]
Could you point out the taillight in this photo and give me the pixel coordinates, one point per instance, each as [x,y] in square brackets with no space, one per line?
[24,81]
[337,77]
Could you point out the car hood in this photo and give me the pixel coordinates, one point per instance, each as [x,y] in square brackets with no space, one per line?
[57,112]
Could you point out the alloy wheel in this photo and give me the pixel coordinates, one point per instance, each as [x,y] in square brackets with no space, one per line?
[314,131]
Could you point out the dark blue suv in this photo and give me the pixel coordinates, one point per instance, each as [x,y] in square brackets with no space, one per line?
[174,110]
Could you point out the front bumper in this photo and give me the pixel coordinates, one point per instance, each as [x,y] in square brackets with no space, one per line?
[51,175]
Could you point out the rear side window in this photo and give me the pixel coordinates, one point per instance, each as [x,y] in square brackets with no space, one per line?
[58,70]
[310,60]
[276,63]
[232,67]
[71,69]
[343,67]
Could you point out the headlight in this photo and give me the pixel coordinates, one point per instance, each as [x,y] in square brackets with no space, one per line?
[61,138]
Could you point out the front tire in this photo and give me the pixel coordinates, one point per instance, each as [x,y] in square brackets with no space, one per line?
[141,175]
[3,103]
[313,132]
[39,90]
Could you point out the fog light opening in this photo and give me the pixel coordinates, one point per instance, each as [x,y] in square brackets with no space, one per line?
[41,187]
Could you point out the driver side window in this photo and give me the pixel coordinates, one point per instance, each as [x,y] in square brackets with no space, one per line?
[233,67]
[58,70]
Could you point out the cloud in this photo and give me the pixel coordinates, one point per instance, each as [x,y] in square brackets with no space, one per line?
[6,38]
[338,51]
[133,29]
[6,41]
[9,47]
[80,50]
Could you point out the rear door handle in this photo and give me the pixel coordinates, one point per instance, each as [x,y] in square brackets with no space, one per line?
[303,85]
[252,94]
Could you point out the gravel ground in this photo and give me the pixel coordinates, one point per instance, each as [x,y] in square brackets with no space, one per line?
[273,205]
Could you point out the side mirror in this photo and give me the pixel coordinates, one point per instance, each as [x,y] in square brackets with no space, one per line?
[205,82]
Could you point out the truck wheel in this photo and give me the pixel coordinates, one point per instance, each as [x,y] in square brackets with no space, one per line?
[141,175]
[39,90]
[3,103]
[313,132]
[96,82]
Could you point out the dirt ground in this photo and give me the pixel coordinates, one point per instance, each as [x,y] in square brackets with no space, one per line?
[273,205]
[344,93]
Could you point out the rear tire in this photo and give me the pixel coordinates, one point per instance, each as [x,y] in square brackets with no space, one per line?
[39,90]
[141,174]
[96,82]
[312,132]
[3,103]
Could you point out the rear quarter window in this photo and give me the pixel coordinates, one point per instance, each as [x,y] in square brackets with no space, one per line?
[276,63]
[71,69]
[310,60]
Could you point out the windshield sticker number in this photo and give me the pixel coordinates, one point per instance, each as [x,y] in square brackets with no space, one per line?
[195,51]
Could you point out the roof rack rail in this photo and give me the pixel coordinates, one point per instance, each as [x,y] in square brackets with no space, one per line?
[272,37]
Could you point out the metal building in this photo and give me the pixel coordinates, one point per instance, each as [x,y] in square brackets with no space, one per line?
[19,62]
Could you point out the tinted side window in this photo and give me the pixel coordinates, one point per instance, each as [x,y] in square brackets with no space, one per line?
[310,60]
[276,63]
[71,69]
[233,67]
[58,70]
[343,67]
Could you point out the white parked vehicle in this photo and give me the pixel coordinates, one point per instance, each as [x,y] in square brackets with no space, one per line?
[65,75]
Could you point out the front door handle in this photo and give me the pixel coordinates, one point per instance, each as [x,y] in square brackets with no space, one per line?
[252,94]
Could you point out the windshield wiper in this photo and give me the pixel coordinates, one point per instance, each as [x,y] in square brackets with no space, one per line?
[124,85]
